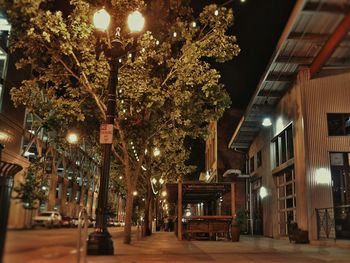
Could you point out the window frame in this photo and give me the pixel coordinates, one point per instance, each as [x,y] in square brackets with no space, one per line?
[344,130]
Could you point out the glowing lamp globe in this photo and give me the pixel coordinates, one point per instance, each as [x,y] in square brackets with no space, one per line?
[136,21]
[102,19]
[266,122]
[72,138]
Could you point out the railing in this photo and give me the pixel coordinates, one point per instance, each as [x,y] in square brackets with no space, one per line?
[333,222]
[82,235]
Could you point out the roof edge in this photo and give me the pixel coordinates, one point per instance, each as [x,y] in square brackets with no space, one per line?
[299,5]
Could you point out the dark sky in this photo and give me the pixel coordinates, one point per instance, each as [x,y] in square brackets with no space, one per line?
[258,25]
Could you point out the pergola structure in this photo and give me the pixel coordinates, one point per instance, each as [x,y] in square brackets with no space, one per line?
[199,192]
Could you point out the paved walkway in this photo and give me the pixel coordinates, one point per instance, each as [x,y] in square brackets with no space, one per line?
[164,247]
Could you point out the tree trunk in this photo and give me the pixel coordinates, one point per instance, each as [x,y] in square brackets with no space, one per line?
[148,212]
[128,215]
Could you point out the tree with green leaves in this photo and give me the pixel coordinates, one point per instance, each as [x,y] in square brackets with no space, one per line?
[33,190]
[166,84]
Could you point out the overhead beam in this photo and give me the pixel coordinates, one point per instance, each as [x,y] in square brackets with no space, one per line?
[329,71]
[295,60]
[331,44]
[249,129]
[332,62]
[336,8]
[309,36]
[257,108]
[280,76]
[240,145]
[270,93]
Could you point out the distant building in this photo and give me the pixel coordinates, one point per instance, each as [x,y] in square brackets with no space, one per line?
[299,166]
[11,120]
[72,176]
[214,164]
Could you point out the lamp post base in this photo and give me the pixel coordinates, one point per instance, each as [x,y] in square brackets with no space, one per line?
[100,243]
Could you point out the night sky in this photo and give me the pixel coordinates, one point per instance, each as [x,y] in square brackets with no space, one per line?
[258,25]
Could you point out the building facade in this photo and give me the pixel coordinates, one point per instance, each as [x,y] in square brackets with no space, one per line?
[72,176]
[299,166]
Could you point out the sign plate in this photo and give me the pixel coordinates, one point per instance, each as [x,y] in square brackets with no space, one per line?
[106,134]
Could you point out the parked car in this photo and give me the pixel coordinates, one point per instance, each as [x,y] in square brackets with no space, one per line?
[47,219]
[67,221]
[91,222]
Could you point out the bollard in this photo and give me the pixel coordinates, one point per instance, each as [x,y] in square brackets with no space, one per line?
[82,235]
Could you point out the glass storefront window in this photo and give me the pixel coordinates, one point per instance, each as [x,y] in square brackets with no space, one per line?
[285,183]
[283,146]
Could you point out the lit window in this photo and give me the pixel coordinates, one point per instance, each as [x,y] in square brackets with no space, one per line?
[283,146]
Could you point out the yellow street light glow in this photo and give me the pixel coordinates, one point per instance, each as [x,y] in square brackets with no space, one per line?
[156,152]
[4,136]
[161,181]
[164,193]
[72,138]
[154,180]
[136,21]
[102,19]
[134,193]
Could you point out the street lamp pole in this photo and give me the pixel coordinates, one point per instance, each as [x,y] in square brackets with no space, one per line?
[99,241]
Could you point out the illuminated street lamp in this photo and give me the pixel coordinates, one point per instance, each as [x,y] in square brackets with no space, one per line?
[72,138]
[100,242]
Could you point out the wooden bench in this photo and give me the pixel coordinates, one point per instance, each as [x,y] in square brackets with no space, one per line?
[207,228]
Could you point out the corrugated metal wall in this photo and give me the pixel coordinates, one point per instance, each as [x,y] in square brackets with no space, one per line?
[322,96]
[306,105]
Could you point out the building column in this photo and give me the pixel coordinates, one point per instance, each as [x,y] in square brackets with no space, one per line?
[51,202]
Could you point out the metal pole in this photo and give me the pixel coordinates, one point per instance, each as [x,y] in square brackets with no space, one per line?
[100,241]
[82,223]
[251,208]
[6,184]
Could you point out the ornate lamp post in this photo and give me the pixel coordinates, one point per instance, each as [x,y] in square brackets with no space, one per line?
[100,242]
[7,173]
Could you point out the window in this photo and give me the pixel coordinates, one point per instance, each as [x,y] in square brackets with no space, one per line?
[340,171]
[4,33]
[286,199]
[283,146]
[338,124]
[258,159]
[251,164]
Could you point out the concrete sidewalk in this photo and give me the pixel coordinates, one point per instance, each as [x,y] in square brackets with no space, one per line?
[164,247]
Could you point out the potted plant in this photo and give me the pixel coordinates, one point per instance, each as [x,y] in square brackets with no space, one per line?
[238,222]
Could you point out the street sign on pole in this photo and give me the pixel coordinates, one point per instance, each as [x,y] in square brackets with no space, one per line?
[106,134]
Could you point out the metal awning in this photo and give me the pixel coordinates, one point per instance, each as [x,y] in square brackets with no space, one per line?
[317,37]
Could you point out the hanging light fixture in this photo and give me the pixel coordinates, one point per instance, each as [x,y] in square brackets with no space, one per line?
[266,122]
